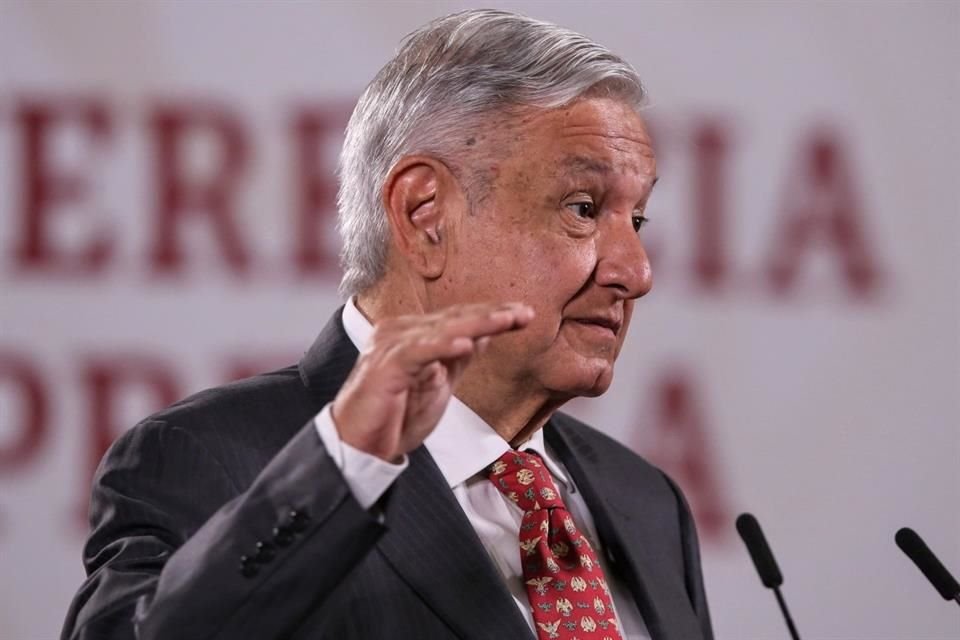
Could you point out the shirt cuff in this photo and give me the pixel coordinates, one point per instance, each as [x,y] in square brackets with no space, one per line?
[367,476]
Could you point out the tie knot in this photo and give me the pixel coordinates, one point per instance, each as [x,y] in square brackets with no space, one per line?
[523,478]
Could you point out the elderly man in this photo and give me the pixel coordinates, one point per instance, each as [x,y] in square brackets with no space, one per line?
[412,478]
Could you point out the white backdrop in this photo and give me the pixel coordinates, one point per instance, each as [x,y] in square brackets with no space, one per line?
[799,356]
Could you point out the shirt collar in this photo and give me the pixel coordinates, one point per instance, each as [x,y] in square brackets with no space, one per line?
[462,444]
[358,328]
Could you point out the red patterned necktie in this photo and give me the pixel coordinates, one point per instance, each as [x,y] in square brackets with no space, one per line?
[568,594]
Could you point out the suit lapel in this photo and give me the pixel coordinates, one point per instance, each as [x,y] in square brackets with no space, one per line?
[429,542]
[633,541]
[433,546]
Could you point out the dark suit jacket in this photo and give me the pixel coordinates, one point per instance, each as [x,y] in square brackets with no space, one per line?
[239,471]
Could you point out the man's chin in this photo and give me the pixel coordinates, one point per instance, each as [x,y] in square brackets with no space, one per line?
[598,388]
[586,381]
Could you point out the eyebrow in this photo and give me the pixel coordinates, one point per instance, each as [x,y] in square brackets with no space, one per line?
[583,163]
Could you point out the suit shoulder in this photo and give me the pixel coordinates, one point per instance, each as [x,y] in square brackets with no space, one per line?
[260,414]
[616,461]
[248,420]
[571,427]
[272,395]
[615,453]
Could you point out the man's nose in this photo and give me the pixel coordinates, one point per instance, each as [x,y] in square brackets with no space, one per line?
[622,262]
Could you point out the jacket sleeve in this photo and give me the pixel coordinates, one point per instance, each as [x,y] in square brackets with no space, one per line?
[178,551]
[693,574]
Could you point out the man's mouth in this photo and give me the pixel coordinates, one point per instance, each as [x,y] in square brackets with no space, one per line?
[601,322]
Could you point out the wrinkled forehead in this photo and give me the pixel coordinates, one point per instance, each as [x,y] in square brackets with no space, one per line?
[601,139]
[637,164]
[596,136]
[600,143]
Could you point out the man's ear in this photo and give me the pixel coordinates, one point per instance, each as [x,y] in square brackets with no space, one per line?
[418,196]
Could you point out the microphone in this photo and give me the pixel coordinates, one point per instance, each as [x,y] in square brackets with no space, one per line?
[763,560]
[918,551]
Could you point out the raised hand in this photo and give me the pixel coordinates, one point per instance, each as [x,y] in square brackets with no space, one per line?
[402,382]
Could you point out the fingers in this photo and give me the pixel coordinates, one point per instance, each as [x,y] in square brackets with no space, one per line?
[482,322]
[450,334]
[417,352]
[471,321]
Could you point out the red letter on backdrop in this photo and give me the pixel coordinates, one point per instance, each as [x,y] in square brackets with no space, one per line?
[28,386]
[821,206]
[105,381]
[180,195]
[710,205]
[45,191]
[679,443]
[314,131]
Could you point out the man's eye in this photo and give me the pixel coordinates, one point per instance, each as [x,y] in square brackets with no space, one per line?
[583,209]
[639,221]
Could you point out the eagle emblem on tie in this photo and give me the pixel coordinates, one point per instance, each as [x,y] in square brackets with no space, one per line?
[529,546]
[540,584]
[550,628]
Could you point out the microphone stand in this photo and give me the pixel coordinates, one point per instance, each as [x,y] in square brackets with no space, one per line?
[786,613]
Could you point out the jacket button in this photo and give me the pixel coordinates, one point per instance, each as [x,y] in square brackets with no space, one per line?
[283,536]
[298,520]
[248,567]
[264,553]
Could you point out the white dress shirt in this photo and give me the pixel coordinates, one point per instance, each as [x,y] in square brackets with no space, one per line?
[463,446]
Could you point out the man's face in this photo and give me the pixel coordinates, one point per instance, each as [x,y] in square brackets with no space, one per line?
[558,231]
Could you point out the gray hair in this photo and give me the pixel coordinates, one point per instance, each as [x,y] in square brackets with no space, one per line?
[450,77]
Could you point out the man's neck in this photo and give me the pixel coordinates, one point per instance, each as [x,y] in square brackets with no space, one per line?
[515,413]
[392,296]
